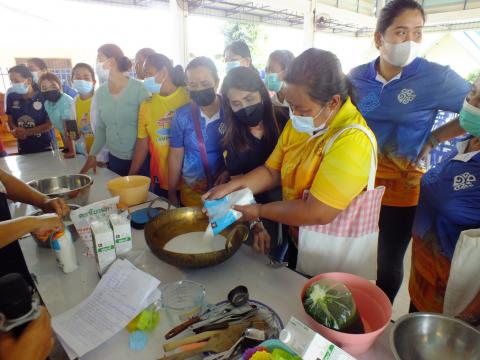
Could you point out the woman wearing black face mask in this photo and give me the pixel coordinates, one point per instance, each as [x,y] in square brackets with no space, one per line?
[59,107]
[252,133]
[195,160]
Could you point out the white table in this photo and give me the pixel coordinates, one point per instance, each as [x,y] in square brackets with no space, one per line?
[279,288]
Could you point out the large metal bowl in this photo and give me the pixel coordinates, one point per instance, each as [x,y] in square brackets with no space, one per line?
[161,229]
[426,336]
[73,188]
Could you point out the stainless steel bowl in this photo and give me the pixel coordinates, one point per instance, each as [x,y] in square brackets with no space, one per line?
[73,188]
[426,336]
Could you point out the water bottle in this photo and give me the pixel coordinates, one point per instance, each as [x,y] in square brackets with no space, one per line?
[62,245]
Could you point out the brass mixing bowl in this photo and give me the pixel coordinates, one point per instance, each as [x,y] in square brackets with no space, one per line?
[169,224]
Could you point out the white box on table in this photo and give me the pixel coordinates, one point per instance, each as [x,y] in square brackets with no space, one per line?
[104,245]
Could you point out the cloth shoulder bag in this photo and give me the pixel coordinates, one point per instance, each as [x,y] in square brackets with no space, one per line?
[349,243]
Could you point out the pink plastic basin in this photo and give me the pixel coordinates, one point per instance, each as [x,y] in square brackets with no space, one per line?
[373,306]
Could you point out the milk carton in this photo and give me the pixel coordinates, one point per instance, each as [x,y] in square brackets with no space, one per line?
[221,213]
[122,232]
[308,344]
[104,245]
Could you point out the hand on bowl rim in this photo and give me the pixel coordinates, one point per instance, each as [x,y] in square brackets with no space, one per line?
[56,205]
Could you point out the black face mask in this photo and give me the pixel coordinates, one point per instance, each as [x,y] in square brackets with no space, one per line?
[250,115]
[203,97]
[52,95]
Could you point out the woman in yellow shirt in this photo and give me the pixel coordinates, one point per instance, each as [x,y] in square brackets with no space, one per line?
[167,86]
[318,93]
[83,81]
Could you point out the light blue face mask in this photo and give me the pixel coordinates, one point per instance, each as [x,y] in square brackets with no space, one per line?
[470,119]
[83,86]
[273,83]
[306,124]
[231,65]
[19,88]
[151,85]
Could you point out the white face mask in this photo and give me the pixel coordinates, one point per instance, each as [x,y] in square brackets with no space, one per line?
[102,73]
[402,54]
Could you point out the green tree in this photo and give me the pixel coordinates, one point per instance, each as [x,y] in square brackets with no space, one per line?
[247,32]
[252,34]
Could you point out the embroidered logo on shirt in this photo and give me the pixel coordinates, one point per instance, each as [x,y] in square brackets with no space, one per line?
[37,105]
[16,104]
[406,96]
[464,181]
[369,103]
[222,128]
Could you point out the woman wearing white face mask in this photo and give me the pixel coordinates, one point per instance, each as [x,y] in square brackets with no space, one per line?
[320,106]
[399,94]
[116,104]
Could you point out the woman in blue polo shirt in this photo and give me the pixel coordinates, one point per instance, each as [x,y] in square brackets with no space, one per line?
[187,165]
[449,204]
[399,94]
[27,116]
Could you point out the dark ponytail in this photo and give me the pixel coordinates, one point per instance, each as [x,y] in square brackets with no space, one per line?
[113,51]
[160,61]
[321,72]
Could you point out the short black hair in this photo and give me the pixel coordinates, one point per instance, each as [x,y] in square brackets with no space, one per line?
[206,63]
[239,47]
[144,52]
[85,66]
[22,70]
[321,73]
[40,63]
[393,9]
[283,57]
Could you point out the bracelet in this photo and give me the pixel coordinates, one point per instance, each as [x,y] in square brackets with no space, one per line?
[433,140]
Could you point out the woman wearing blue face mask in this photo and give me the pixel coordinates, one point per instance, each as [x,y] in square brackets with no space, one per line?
[27,116]
[237,54]
[277,66]
[319,96]
[116,104]
[167,85]
[449,204]
[399,94]
[83,81]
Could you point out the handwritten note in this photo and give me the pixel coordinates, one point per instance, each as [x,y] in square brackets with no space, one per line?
[120,295]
